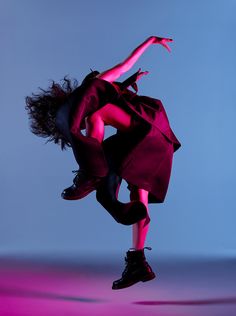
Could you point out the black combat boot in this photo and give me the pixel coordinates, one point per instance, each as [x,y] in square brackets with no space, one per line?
[137,269]
[83,184]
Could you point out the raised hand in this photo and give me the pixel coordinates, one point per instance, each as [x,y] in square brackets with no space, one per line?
[141,73]
[162,41]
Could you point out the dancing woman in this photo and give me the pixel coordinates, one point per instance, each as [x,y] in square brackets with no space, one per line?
[141,152]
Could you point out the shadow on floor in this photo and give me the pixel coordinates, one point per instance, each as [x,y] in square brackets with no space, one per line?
[17,292]
[209,301]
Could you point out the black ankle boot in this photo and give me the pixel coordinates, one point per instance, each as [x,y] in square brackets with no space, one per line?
[83,184]
[137,269]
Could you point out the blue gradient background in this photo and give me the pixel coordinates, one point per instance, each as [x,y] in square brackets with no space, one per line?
[42,40]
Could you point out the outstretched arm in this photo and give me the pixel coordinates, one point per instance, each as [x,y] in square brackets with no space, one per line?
[115,72]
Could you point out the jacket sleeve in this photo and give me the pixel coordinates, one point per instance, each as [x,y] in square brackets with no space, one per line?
[131,81]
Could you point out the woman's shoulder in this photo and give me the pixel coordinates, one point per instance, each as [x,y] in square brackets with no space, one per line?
[90,75]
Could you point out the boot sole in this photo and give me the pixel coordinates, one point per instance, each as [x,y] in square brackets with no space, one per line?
[144,279]
[71,198]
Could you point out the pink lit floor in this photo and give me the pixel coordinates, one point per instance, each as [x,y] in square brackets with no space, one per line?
[186,287]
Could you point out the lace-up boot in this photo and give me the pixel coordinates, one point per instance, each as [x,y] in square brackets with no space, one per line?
[137,269]
[83,184]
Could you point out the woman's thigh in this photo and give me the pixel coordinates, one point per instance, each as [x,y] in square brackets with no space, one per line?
[115,116]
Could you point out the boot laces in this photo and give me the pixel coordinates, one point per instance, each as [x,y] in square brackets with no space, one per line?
[127,266]
[129,262]
[148,248]
[79,174]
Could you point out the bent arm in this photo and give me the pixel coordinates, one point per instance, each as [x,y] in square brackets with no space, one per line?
[115,72]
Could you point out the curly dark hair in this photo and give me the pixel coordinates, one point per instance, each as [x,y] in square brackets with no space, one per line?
[42,108]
